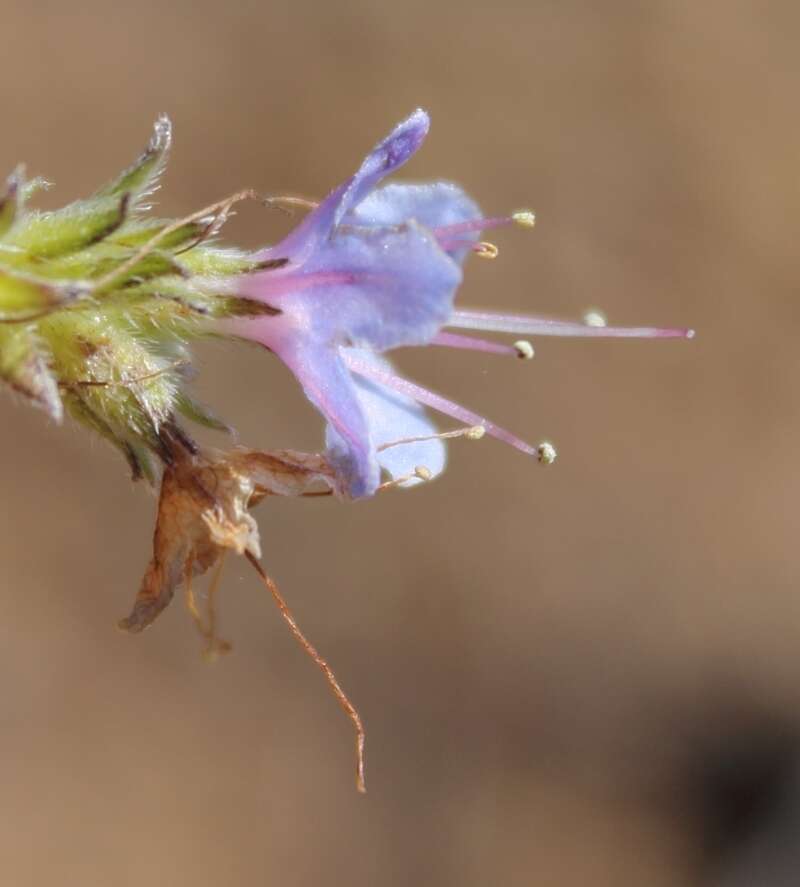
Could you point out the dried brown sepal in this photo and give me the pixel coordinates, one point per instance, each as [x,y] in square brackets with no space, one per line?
[203,511]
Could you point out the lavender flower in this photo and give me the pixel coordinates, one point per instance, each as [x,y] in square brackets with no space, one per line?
[371,269]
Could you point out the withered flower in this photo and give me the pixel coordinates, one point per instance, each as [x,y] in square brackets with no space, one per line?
[204,512]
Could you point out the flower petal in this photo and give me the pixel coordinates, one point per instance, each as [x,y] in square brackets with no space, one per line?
[328,384]
[379,287]
[435,401]
[387,156]
[434,205]
[392,417]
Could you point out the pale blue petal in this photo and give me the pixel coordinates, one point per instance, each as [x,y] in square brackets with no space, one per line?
[433,204]
[375,287]
[392,417]
[328,384]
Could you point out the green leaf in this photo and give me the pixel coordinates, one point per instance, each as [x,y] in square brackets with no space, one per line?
[23,298]
[24,366]
[141,178]
[47,235]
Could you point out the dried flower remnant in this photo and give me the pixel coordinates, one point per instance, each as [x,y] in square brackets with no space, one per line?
[371,269]
[203,512]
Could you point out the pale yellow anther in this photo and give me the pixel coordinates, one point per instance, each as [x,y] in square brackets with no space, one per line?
[423,473]
[594,317]
[524,218]
[486,250]
[546,453]
[475,433]
[524,349]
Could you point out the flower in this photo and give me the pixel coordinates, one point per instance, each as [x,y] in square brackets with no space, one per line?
[370,269]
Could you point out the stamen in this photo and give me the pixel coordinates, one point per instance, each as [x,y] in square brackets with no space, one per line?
[524,349]
[546,453]
[284,202]
[544,326]
[473,432]
[485,250]
[420,472]
[524,218]
[470,343]
[436,402]
[595,317]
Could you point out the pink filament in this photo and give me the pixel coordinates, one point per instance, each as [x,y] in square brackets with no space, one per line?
[449,244]
[545,326]
[448,232]
[434,401]
[470,343]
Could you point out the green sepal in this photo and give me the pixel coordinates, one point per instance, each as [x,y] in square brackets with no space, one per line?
[186,236]
[24,366]
[141,178]
[9,202]
[24,298]
[48,235]
[200,414]
[216,262]
[90,326]
[152,266]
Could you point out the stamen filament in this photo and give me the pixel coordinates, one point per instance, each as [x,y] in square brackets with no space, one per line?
[472,432]
[420,472]
[544,326]
[474,226]
[470,343]
[436,402]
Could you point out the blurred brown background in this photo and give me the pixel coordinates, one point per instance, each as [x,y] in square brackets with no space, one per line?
[582,675]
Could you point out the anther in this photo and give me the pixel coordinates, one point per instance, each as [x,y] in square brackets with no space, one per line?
[595,318]
[486,250]
[475,433]
[546,453]
[524,349]
[423,473]
[524,218]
